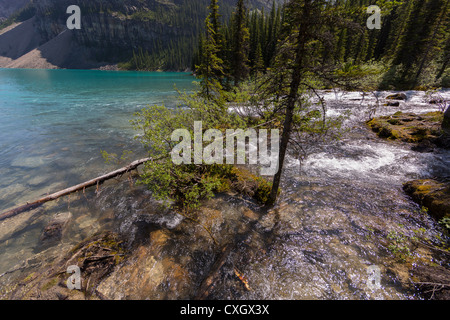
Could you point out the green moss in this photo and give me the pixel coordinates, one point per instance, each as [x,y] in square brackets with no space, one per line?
[435,116]
[424,188]
[409,128]
[248,183]
[395,134]
[29,277]
[53,282]
[394,121]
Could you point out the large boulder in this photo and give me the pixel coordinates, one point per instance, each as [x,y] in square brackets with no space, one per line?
[445,137]
[409,127]
[396,96]
[392,104]
[56,228]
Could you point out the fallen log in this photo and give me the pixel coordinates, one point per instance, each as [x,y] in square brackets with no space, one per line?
[35,204]
[208,283]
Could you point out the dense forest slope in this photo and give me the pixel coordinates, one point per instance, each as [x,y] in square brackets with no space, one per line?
[111,32]
[8,7]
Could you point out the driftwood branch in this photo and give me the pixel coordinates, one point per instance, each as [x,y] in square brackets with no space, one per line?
[35,204]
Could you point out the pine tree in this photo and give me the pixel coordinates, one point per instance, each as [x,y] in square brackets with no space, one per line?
[240,44]
[258,63]
[210,70]
[216,26]
[422,26]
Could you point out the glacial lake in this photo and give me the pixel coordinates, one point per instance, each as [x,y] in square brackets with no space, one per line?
[55,123]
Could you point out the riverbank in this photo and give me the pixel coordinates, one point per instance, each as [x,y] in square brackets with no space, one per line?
[424,132]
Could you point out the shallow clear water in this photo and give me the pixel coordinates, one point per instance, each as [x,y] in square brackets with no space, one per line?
[54,125]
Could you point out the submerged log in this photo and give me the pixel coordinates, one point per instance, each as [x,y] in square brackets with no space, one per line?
[208,283]
[35,204]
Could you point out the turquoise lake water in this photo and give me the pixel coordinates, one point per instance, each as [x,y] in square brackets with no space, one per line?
[54,124]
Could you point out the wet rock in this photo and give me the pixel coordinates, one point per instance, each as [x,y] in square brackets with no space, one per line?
[446,121]
[432,282]
[144,274]
[424,146]
[397,96]
[96,257]
[436,101]
[250,214]
[37,180]
[392,104]
[19,224]
[431,194]
[87,221]
[28,162]
[56,228]
[211,218]
[12,191]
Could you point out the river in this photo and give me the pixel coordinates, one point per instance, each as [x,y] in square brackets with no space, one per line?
[331,222]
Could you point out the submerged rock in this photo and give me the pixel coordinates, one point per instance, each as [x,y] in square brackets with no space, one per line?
[144,273]
[445,139]
[56,228]
[28,162]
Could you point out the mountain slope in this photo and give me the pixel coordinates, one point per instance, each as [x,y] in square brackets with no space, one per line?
[8,7]
[113,30]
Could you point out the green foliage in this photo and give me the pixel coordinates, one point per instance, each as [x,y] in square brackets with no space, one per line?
[187,185]
[398,246]
[183,185]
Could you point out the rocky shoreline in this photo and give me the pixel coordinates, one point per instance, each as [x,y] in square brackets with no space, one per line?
[425,133]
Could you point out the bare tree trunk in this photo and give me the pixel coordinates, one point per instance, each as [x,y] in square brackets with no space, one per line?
[297,75]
